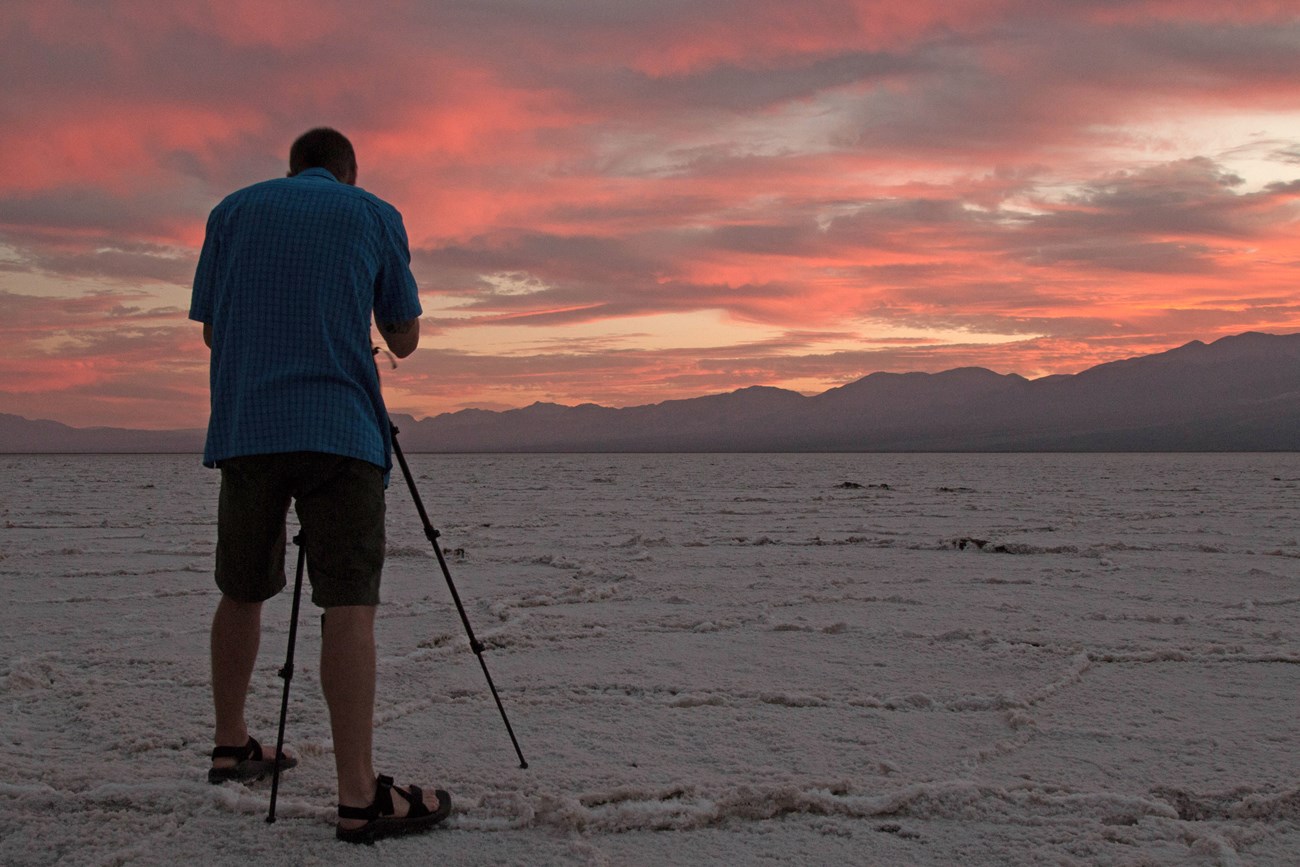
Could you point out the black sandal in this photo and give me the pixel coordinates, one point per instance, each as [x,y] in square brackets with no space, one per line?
[380,821]
[249,764]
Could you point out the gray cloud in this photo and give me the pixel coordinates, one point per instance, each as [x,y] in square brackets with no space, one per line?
[110,259]
[1153,257]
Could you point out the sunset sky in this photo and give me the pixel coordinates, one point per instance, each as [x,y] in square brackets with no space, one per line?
[628,201]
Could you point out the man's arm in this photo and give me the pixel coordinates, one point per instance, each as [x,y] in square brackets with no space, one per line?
[207,334]
[401,337]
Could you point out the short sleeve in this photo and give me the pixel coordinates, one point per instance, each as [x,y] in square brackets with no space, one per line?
[205,275]
[397,298]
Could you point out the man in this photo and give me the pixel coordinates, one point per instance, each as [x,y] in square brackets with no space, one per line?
[290,273]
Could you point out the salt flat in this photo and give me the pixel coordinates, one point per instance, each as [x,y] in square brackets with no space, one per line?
[739,659]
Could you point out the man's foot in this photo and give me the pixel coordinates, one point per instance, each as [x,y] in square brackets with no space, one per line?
[388,817]
[248,763]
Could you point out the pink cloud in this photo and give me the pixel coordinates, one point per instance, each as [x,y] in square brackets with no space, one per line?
[826,166]
[101,359]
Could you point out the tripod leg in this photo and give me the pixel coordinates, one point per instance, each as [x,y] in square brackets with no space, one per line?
[432,535]
[287,674]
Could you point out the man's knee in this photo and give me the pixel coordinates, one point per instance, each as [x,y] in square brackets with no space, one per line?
[234,605]
[348,617]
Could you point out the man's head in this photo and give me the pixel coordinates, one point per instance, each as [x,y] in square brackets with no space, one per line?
[324,148]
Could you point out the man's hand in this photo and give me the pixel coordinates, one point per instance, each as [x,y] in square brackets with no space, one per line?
[401,337]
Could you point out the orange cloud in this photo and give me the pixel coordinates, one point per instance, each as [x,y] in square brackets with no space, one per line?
[838,186]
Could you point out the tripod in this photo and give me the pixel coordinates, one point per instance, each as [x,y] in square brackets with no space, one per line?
[477,646]
[432,535]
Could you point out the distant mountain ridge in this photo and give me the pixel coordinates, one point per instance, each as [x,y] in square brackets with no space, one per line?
[1238,393]
[20,435]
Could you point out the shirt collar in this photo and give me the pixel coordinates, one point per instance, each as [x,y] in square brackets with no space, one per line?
[317,172]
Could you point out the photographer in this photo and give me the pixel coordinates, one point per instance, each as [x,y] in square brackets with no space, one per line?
[290,273]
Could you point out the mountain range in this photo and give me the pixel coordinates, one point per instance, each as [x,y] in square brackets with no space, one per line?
[1238,393]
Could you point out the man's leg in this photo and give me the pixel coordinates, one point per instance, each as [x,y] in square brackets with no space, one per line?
[250,566]
[347,674]
[341,507]
[236,633]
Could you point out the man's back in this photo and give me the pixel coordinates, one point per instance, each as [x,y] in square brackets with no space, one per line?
[289,275]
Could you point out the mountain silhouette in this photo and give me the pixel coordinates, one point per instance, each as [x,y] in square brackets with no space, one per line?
[1238,393]
[18,434]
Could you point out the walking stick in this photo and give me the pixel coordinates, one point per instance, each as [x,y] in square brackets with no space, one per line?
[287,674]
[432,535]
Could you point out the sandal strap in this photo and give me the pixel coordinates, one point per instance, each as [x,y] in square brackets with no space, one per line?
[382,805]
[239,754]
[416,800]
[369,814]
[384,795]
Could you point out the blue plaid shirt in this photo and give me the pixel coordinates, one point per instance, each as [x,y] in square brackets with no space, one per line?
[290,272]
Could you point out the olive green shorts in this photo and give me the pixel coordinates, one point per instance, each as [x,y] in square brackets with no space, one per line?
[340,505]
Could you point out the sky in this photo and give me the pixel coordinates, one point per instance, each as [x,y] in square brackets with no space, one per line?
[624,202]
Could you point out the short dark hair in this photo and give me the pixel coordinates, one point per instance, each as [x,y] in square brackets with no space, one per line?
[323,148]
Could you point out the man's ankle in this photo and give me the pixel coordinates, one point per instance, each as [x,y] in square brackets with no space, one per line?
[231,737]
[358,792]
